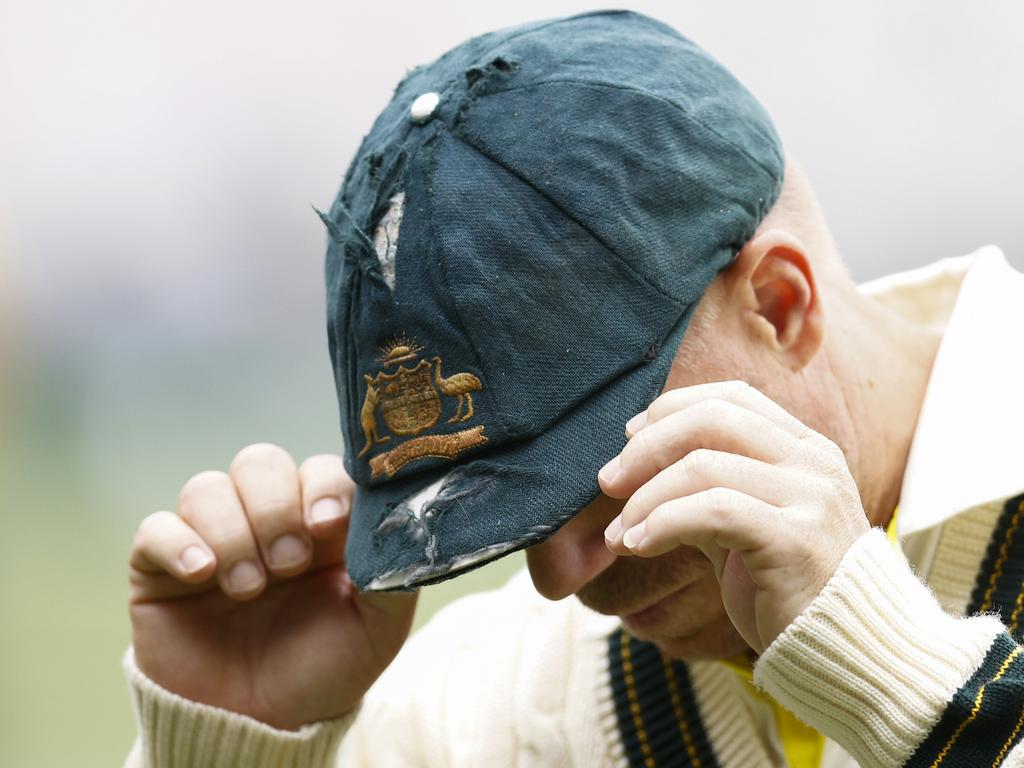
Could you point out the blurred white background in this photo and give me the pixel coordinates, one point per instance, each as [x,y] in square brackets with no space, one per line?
[160,264]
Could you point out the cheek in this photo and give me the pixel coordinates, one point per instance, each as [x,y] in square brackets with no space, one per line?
[722,361]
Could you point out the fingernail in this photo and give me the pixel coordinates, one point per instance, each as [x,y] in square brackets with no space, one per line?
[611,533]
[635,535]
[326,510]
[244,576]
[288,550]
[609,470]
[195,558]
[635,424]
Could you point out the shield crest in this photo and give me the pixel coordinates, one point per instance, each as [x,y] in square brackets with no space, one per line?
[409,402]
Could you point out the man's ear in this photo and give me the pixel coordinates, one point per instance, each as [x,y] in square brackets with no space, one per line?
[776,287]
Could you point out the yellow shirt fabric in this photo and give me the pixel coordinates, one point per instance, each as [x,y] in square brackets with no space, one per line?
[802,745]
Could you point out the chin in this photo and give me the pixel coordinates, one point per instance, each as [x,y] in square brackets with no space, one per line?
[673,601]
[712,643]
[690,625]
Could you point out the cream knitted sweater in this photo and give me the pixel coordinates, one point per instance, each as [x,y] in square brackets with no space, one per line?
[886,667]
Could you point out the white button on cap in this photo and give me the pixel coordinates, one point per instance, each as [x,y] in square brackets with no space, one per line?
[424,107]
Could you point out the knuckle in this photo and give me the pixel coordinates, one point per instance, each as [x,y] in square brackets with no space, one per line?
[202,483]
[648,450]
[229,538]
[699,463]
[320,462]
[637,451]
[329,466]
[641,445]
[659,523]
[828,457]
[837,453]
[711,411]
[272,507]
[261,456]
[738,388]
[661,399]
[663,405]
[815,440]
[719,498]
[147,530]
[635,510]
[830,487]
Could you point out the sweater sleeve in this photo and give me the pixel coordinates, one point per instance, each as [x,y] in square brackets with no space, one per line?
[875,663]
[174,731]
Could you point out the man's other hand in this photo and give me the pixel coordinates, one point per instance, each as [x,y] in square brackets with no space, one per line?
[724,468]
[241,599]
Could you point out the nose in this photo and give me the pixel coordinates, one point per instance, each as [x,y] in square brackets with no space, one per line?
[576,553]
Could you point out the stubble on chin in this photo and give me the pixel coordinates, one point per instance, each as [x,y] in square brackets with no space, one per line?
[694,625]
[714,641]
[632,583]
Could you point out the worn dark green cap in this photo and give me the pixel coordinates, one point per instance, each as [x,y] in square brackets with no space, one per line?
[514,256]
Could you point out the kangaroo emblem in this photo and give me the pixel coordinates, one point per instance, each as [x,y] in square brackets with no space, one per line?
[368,416]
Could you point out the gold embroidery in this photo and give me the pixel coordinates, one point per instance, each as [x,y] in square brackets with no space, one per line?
[677,709]
[1004,550]
[409,401]
[433,446]
[368,416]
[1015,616]
[634,702]
[458,385]
[978,700]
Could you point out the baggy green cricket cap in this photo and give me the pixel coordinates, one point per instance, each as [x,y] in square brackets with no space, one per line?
[513,258]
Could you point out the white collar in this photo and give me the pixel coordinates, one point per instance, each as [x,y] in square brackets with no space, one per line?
[966,448]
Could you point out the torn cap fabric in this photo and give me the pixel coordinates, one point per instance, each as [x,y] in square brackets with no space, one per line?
[514,256]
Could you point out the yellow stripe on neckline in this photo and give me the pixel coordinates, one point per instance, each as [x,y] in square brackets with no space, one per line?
[802,745]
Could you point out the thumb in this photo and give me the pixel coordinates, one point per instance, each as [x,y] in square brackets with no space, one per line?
[738,595]
[387,617]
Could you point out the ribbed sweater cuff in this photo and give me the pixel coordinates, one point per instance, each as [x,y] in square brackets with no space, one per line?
[873,661]
[175,732]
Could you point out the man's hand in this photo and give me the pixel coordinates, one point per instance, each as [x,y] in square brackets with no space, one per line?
[770,501]
[241,600]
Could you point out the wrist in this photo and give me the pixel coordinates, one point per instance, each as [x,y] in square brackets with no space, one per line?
[874,660]
[176,731]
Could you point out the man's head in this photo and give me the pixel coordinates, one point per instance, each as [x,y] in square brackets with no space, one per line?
[763,321]
[522,241]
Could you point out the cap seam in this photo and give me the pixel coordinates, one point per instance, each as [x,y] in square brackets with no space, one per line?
[454,79]
[445,276]
[678,107]
[561,209]
[448,84]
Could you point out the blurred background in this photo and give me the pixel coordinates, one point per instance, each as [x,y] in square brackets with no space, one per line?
[161,302]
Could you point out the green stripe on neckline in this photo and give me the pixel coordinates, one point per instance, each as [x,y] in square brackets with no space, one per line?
[655,707]
[1000,582]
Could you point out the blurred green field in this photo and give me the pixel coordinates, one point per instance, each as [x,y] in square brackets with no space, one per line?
[81,462]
